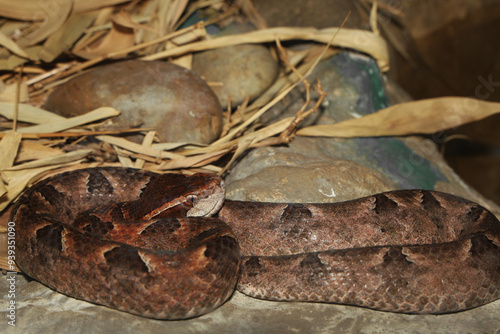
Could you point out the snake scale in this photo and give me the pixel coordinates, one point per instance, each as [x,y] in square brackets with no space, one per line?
[145,243]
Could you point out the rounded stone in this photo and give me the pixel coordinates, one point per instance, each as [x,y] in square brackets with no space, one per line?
[237,71]
[173,100]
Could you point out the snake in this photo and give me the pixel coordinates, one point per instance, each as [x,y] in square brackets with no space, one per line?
[170,246]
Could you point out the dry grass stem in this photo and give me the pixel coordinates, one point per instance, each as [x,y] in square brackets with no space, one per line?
[287,135]
[77,133]
[361,40]
[137,148]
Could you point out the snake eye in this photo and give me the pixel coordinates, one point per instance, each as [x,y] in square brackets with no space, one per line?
[191,199]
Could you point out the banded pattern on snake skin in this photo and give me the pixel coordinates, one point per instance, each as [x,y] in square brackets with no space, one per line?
[120,237]
[74,236]
[410,251]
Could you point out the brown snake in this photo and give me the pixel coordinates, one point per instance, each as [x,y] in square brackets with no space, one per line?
[119,237]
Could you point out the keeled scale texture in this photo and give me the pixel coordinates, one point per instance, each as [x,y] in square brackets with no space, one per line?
[409,251]
[404,251]
[101,261]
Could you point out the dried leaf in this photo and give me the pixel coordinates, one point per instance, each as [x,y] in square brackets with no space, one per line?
[28,113]
[174,11]
[63,39]
[12,46]
[19,179]
[193,161]
[54,14]
[34,149]
[172,146]
[147,141]
[165,17]
[361,40]
[52,161]
[254,137]
[117,39]
[9,145]
[123,157]
[14,61]
[243,145]
[134,147]
[416,117]
[91,116]
[88,5]
[35,10]
[8,94]
[124,19]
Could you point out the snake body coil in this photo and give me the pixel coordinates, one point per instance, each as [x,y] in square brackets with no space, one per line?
[143,243]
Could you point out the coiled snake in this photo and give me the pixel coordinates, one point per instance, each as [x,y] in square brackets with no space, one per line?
[120,237]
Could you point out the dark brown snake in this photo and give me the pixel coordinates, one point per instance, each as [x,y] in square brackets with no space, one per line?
[119,237]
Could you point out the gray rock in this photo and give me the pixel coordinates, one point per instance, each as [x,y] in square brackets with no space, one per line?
[237,71]
[302,173]
[169,98]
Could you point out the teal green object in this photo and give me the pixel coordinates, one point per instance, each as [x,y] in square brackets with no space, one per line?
[390,156]
[380,100]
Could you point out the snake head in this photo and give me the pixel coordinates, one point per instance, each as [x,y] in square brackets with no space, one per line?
[174,195]
[209,199]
